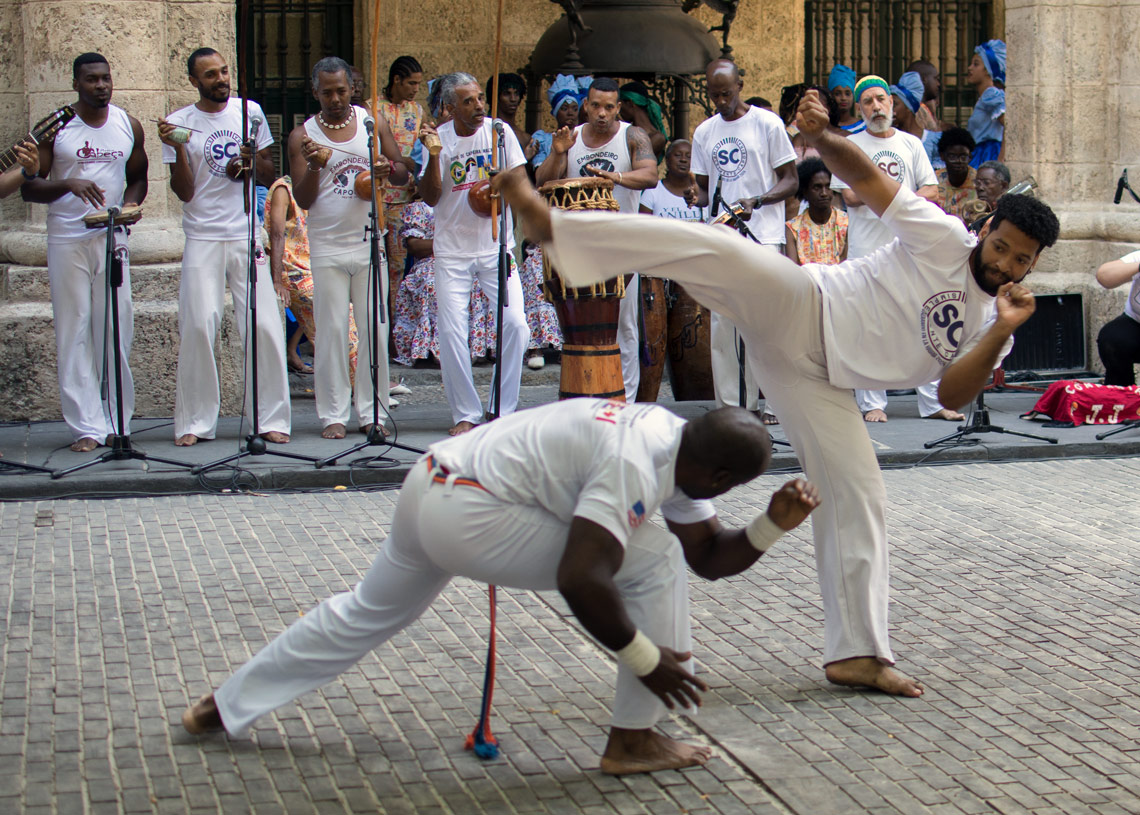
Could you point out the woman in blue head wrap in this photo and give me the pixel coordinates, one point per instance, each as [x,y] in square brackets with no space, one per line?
[563,97]
[841,86]
[986,73]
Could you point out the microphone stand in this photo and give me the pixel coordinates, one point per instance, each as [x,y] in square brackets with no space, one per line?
[377,316]
[501,302]
[980,423]
[119,442]
[255,445]
[740,226]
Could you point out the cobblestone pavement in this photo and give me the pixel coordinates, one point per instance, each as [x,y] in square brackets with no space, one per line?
[1015,600]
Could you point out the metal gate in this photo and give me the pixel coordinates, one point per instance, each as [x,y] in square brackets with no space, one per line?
[283,41]
[877,37]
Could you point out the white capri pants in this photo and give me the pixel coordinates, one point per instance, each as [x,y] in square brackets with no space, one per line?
[82,319]
[337,281]
[440,530]
[629,338]
[206,268]
[778,310]
[454,277]
[928,403]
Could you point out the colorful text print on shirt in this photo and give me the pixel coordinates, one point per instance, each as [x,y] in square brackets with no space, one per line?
[601,160]
[344,174]
[87,154]
[469,168]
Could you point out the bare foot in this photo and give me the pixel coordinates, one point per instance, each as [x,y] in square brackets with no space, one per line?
[459,428]
[333,431]
[946,414]
[769,418]
[84,445]
[299,365]
[187,440]
[868,672]
[875,415]
[645,751]
[274,437]
[202,716]
[367,428]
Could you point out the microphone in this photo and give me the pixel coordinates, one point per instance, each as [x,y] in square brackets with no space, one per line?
[114,212]
[498,127]
[254,126]
[1120,185]
[369,124]
[715,203]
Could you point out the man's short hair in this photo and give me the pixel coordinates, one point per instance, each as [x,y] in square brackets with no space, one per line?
[605,85]
[450,82]
[956,137]
[1031,216]
[330,65]
[758,102]
[673,145]
[508,81]
[807,170]
[999,168]
[192,60]
[90,58]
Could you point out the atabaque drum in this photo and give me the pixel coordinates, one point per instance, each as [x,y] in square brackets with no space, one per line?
[689,347]
[653,329]
[591,359]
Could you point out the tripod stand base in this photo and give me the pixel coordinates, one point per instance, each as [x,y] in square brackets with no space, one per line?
[254,446]
[1128,425]
[374,438]
[981,424]
[17,465]
[120,449]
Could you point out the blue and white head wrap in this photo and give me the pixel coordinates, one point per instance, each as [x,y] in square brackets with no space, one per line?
[584,83]
[910,90]
[563,89]
[993,57]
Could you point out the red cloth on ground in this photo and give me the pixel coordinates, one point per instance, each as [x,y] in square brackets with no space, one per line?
[1070,400]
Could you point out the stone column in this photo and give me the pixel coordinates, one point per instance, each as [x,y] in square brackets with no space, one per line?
[1073,74]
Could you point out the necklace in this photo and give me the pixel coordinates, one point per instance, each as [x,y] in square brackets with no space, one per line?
[342,125]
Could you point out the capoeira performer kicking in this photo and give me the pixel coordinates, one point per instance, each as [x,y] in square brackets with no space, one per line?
[488,505]
[936,302]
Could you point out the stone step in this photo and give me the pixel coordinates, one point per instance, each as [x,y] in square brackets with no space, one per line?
[152,281]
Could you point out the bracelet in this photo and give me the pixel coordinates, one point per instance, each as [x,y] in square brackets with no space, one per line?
[641,656]
[619,179]
[763,532]
[25,174]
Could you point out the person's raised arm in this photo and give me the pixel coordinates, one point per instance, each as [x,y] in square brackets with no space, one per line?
[181,177]
[306,160]
[431,182]
[1116,273]
[964,377]
[553,167]
[872,186]
[586,580]
[525,202]
[136,168]
[714,552]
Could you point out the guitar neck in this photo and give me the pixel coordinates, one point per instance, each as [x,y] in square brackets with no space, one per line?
[9,159]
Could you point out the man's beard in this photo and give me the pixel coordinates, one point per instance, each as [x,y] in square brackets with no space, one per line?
[879,123]
[978,269]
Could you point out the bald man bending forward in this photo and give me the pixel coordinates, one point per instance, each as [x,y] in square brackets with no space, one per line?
[557,497]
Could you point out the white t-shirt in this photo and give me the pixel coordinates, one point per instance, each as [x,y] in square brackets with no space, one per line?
[665,204]
[463,160]
[217,210]
[613,156]
[337,219]
[897,317]
[745,153]
[608,462]
[1132,306]
[97,154]
[902,157]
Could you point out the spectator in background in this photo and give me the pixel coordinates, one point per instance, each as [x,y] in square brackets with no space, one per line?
[759,102]
[956,180]
[563,97]
[638,109]
[819,233]
[1118,343]
[931,92]
[512,90]
[841,88]
[986,73]
[991,181]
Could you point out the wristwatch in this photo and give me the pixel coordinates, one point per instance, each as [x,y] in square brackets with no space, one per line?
[25,174]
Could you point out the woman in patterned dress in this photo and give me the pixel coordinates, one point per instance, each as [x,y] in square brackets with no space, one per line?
[819,233]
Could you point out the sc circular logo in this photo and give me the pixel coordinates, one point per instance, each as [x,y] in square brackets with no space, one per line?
[892,164]
[220,147]
[731,158]
[942,321]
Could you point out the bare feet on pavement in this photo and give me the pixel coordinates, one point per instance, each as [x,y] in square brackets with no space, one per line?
[275,437]
[459,428]
[186,440]
[645,751]
[84,445]
[875,415]
[946,414]
[868,672]
[333,431]
[202,716]
[367,428]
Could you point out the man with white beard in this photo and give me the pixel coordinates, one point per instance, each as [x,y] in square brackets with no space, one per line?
[902,157]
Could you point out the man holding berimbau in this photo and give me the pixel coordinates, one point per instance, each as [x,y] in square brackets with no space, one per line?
[95,162]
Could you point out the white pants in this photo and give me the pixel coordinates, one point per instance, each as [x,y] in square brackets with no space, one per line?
[440,530]
[629,338]
[337,281]
[206,268]
[82,319]
[928,403]
[454,277]
[723,342]
[778,310]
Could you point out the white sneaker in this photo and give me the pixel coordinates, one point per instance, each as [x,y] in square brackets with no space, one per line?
[536,362]
[399,388]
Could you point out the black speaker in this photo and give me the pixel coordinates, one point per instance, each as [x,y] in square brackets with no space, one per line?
[1053,339]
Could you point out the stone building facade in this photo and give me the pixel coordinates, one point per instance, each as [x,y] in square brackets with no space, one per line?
[1067,127]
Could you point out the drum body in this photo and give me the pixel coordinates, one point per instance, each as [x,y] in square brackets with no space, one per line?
[591,359]
[655,317]
[689,347]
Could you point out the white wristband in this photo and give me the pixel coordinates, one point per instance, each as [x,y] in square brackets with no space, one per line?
[763,532]
[641,656]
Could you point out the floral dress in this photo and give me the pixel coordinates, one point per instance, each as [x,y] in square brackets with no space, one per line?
[404,122]
[820,243]
[415,332]
[541,317]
